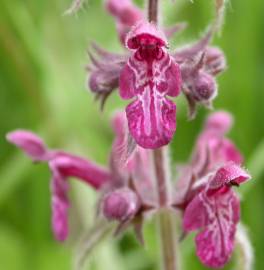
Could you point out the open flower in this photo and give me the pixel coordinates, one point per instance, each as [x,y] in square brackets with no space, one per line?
[62,165]
[115,180]
[205,193]
[215,212]
[150,75]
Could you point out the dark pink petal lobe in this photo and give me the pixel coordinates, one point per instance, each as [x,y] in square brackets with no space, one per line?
[151,120]
[127,83]
[173,80]
[195,215]
[216,216]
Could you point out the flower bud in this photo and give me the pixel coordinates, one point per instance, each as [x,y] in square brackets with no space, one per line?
[121,204]
[204,87]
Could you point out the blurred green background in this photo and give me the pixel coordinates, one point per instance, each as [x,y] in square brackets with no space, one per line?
[42,88]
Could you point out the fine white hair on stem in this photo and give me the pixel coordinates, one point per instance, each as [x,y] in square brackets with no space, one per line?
[75,6]
[246,253]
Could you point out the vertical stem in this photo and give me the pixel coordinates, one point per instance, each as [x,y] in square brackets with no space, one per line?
[153,6]
[165,219]
[161,177]
[167,238]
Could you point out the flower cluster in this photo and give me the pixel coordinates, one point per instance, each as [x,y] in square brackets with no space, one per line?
[149,75]
[123,188]
[204,189]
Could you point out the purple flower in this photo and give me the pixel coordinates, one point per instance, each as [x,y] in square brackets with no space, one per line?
[205,195]
[149,76]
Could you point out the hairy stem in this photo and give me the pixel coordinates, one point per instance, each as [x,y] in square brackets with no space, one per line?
[161,177]
[167,239]
[165,219]
[153,6]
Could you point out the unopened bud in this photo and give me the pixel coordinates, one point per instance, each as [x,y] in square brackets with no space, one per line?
[204,87]
[121,204]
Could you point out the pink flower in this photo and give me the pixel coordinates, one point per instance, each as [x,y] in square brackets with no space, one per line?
[115,181]
[149,76]
[205,192]
[62,165]
[215,212]
[216,217]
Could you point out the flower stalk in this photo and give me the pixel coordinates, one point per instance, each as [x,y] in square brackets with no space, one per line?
[153,6]
[167,239]
[161,177]
[166,228]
